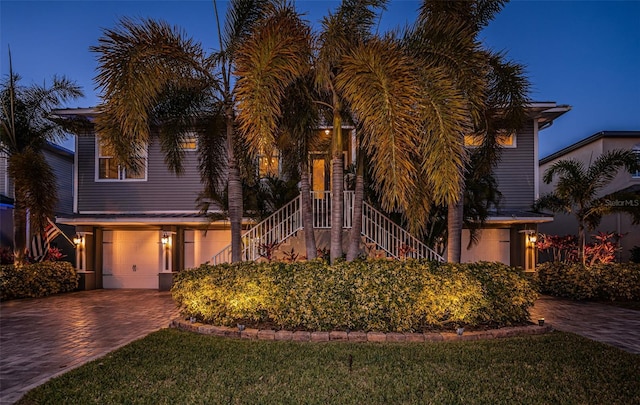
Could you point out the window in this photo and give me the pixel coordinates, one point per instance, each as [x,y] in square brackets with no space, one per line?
[109,170]
[636,150]
[189,141]
[268,166]
[505,140]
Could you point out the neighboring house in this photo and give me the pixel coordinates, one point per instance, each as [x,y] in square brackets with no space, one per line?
[61,161]
[135,231]
[586,151]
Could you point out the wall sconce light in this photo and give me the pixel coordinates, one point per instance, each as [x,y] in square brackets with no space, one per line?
[326,131]
[78,239]
[531,237]
[166,237]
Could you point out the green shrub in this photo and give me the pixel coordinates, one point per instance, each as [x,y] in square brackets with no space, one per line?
[380,295]
[609,281]
[37,279]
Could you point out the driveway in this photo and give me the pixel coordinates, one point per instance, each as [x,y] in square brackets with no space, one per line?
[619,327]
[42,338]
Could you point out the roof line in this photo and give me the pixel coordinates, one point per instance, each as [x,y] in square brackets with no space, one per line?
[588,140]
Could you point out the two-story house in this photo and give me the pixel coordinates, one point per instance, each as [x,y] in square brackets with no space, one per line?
[61,161]
[135,230]
[586,151]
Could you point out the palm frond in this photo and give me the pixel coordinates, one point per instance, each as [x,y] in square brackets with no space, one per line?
[444,119]
[607,166]
[553,203]
[268,62]
[35,185]
[137,62]
[380,85]
[239,22]
[349,26]
[212,152]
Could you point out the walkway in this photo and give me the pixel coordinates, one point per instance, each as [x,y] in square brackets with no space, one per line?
[42,338]
[615,326]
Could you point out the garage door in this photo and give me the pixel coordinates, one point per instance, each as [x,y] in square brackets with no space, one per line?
[131,259]
[494,246]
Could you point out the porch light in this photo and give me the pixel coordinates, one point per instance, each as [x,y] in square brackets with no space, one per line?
[165,238]
[78,239]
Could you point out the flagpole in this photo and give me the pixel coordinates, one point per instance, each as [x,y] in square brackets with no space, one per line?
[62,233]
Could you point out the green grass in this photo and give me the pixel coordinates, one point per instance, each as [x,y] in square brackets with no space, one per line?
[175,367]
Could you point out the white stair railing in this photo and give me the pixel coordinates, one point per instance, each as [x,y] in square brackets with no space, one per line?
[392,238]
[275,229]
[284,223]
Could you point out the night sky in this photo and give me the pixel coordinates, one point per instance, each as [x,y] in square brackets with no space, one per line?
[582,53]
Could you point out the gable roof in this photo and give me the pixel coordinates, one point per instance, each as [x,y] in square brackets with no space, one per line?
[588,140]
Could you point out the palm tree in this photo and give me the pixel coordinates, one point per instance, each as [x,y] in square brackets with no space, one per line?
[406,113]
[280,52]
[154,75]
[26,129]
[495,89]
[578,188]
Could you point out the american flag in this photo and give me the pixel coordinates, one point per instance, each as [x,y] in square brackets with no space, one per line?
[41,242]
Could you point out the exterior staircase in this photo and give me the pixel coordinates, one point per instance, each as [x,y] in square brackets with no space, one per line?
[381,236]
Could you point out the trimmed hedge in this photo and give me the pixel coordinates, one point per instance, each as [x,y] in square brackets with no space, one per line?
[605,281]
[37,279]
[379,295]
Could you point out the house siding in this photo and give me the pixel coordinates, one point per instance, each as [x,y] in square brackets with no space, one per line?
[163,191]
[6,188]
[515,173]
[587,152]
[62,164]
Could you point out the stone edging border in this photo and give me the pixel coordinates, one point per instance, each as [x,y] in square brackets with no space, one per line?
[355,336]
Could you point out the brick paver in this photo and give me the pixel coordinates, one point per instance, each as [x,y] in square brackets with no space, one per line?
[44,337]
[615,326]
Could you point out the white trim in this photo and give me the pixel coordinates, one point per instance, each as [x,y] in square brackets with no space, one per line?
[121,171]
[75,175]
[636,150]
[166,212]
[536,163]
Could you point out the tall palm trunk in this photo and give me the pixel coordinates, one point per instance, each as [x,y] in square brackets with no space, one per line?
[454,230]
[337,180]
[581,241]
[307,213]
[355,237]
[19,231]
[235,192]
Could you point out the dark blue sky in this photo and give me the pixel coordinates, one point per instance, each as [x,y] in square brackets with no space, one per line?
[582,53]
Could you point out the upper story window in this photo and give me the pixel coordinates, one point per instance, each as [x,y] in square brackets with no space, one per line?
[108,170]
[504,139]
[268,166]
[636,150]
[189,142]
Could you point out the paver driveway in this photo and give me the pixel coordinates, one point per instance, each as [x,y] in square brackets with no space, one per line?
[619,327]
[41,338]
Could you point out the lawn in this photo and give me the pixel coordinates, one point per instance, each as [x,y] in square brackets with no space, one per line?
[176,367]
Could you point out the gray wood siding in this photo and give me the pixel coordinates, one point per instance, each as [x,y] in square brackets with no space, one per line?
[162,191]
[62,166]
[5,189]
[515,172]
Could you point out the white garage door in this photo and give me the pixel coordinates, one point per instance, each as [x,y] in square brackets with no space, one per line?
[494,246]
[131,259]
